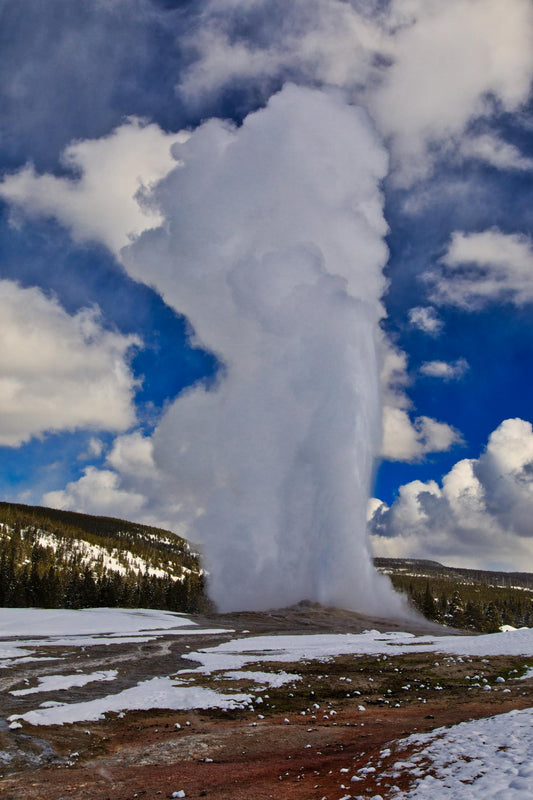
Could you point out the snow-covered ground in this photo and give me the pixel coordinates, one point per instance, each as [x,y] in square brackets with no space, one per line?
[24,630]
[101,621]
[236,653]
[96,626]
[488,758]
[484,758]
[55,683]
[155,693]
[84,628]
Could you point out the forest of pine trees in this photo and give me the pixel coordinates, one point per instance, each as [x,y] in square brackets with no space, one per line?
[60,575]
[471,606]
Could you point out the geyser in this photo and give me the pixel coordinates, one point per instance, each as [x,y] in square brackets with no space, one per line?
[273,249]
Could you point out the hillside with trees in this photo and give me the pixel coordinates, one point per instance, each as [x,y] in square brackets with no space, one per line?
[61,559]
[474,600]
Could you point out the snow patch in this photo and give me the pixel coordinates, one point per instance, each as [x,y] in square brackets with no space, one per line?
[489,757]
[54,683]
[164,693]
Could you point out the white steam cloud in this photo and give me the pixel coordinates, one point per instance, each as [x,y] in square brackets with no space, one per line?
[423,68]
[273,249]
[269,238]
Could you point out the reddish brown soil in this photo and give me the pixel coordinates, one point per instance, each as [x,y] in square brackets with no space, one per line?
[237,755]
[143,755]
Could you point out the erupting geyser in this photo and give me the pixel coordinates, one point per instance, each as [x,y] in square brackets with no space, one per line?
[273,249]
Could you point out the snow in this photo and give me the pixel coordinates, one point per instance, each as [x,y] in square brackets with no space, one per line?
[237,653]
[485,758]
[112,559]
[86,627]
[65,622]
[164,693]
[54,683]
[526,676]
[42,628]
[112,625]
[272,679]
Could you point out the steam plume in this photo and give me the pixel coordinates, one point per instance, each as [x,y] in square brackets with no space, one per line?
[273,249]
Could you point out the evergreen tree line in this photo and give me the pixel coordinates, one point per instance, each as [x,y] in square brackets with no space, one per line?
[482,608]
[32,574]
[156,546]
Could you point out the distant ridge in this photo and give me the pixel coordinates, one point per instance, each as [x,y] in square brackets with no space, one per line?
[473,599]
[432,568]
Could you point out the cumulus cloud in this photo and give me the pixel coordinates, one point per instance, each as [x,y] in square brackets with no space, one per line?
[59,372]
[481,514]
[494,151]
[450,61]
[446,370]
[132,455]
[423,68]
[106,199]
[98,491]
[406,437]
[128,486]
[481,268]
[328,41]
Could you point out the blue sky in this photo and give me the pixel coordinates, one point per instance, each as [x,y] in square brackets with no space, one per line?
[104,337]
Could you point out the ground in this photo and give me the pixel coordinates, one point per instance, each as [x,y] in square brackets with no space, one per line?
[303,740]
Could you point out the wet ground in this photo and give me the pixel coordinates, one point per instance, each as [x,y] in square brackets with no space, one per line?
[296,743]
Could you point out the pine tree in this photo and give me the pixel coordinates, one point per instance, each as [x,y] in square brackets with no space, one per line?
[456,611]
[429,607]
[475,619]
[493,619]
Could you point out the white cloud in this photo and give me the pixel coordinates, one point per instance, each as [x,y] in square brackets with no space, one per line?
[447,371]
[98,491]
[424,68]
[107,199]
[406,438]
[480,516]
[492,150]
[448,59]
[426,319]
[481,268]
[132,454]
[59,372]
[129,486]
[315,40]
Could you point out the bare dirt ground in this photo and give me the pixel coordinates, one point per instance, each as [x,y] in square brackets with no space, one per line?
[302,742]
